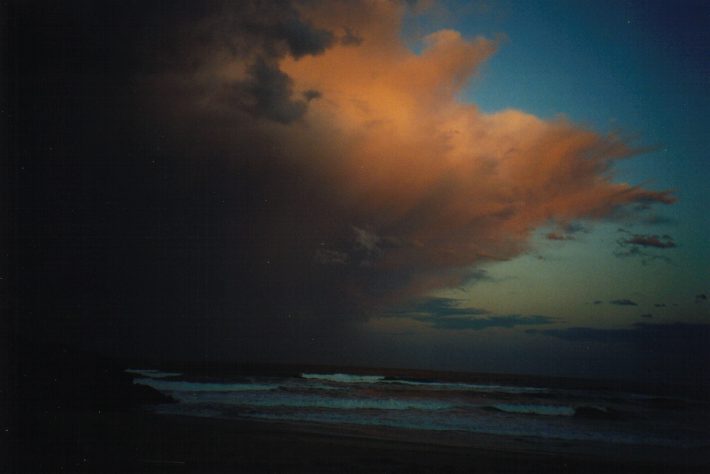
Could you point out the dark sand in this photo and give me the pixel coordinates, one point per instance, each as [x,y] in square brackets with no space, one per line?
[71,411]
[134,441]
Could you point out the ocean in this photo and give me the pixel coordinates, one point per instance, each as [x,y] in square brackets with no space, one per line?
[523,407]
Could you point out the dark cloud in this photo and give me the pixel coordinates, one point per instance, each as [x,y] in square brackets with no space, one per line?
[701,298]
[447,313]
[662,242]
[312,94]
[255,34]
[597,302]
[623,302]
[478,323]
[181,192]
[273,28]
[660,305]
[647,315]
[136,220]
[268,94]
[302,38]
[635,245]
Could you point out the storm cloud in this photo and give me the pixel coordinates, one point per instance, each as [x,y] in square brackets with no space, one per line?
[280,168]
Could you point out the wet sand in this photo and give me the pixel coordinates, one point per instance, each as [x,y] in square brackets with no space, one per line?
[135,441]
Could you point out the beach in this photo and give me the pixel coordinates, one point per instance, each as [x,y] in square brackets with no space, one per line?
[135,441]
[78,412]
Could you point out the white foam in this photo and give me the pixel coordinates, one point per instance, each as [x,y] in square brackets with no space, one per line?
[345,378]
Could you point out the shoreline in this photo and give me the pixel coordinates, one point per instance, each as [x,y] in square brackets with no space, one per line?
[139,441]
[76,412]
[493,444]
[698,390]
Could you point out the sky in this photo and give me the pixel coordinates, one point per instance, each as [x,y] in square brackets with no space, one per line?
[480,186]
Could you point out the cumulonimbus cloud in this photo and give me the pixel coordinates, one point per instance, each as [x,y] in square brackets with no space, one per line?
[396,187]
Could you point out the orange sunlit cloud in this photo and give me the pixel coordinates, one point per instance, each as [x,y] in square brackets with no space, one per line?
[437,173]
[439,184]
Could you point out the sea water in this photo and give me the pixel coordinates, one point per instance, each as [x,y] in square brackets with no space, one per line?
[521,410]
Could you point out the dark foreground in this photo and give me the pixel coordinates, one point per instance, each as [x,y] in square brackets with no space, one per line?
[138,442]
[73,412]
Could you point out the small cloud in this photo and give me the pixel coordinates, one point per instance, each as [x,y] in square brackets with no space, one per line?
[597,302]
[662,242]
[636,245]
[701,298]
[660,305]
[647,315]
[623,302]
